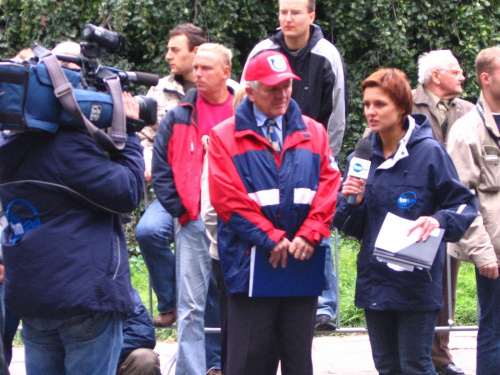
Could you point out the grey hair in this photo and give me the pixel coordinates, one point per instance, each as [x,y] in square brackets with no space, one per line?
[431,61]
[254,85]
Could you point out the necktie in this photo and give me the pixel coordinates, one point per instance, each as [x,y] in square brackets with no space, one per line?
[272,137]
[443,112]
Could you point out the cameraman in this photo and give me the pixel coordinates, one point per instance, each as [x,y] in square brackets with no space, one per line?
[65,253]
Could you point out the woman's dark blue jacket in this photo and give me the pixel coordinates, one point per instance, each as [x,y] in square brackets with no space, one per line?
[423,182]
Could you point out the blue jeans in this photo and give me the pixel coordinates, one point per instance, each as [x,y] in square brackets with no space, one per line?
[194,277]
[488,336]
[327,301]
[213,341]
[10,326]
[154,233]
[401,341]
[3,363]
[85,344]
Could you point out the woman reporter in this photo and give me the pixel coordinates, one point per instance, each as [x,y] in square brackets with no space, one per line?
[401,308]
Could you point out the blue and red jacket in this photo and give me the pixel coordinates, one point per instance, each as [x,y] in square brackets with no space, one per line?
[261,196]
[178,160]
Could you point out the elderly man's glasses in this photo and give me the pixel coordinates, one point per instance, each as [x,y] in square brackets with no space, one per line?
[454,72]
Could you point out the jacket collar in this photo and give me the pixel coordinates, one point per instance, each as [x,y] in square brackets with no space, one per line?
[419,129]
[192,94]
[295,129]
[315,36]
[421,97]
[245,119]
[485,113]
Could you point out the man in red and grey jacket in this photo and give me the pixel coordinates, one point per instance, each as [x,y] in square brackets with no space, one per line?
[177,166]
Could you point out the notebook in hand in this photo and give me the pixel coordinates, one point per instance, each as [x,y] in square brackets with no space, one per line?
[298,279]
[394,243]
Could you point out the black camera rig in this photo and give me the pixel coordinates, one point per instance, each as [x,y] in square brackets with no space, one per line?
[42,95]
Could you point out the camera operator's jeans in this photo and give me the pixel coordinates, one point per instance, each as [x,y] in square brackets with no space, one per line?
[89,342]
[3,363]
[154,233]
[194,275]
[327,301]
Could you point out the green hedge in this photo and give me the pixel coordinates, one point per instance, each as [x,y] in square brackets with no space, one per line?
[369,33]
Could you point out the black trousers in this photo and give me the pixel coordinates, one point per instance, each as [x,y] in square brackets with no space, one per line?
[217,270]
[263,330]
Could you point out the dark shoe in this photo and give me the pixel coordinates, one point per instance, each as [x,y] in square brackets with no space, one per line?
[449,369]
[325,323]
[165,320]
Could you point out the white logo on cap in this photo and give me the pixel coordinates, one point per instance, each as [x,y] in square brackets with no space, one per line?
[277,62]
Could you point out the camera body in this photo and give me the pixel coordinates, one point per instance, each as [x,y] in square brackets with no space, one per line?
[28,101]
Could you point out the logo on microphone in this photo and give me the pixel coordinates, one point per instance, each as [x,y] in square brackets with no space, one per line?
[358,167]
[407,200]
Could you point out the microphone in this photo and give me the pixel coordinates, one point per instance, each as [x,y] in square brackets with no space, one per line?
[139,78]
[360,164]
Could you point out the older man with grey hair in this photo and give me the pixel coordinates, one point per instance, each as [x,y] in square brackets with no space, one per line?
[440,81]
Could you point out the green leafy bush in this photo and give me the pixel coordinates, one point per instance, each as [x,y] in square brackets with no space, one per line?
[369,33]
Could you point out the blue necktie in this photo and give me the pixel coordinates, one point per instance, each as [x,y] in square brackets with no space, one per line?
[272,137]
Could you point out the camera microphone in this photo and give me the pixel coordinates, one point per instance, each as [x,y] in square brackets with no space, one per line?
[139,78]
[360,164]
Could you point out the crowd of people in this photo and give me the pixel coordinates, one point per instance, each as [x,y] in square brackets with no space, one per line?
[247,192]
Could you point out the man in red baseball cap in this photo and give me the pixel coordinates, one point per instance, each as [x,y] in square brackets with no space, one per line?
[273,183]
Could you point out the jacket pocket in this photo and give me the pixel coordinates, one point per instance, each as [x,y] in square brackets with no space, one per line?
[115,257]
[490,169]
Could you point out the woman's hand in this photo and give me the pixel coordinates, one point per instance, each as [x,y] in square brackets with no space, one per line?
[428,224]
[354,185]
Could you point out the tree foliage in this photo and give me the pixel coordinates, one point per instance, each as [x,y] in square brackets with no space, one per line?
[369,33]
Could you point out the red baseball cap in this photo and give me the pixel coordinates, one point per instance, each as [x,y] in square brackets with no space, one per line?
[269,68]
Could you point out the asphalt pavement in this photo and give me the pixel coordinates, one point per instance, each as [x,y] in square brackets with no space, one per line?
[340,354]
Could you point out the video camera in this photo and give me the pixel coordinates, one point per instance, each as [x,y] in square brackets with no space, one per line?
[33,94]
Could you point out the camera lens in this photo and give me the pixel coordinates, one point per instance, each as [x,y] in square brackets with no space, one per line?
[147,109]
[113,41]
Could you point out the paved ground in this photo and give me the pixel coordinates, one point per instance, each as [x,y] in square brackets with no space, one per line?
[336,354]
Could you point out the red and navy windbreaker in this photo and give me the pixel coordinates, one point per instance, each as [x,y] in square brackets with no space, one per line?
[261,196]
[178,160]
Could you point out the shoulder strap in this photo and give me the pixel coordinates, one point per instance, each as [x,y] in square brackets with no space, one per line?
[63,90]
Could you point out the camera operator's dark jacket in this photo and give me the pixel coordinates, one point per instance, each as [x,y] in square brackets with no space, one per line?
[65,194]
[178,160]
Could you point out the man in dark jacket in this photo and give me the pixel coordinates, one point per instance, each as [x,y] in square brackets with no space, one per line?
[322,90]
[321,94]
[65,253]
